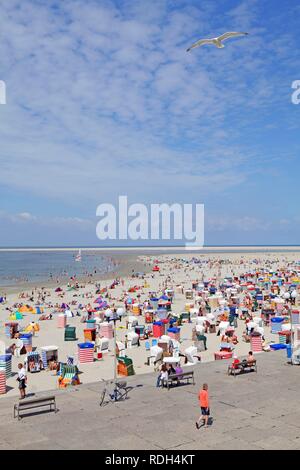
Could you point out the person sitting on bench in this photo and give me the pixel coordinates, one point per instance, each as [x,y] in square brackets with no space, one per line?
[163,376]
[235,362]
[178,370]
[171,370]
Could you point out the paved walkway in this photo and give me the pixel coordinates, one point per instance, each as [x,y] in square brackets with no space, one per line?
[252,411]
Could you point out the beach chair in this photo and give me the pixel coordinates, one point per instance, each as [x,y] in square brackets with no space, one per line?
[223,325]
[70,333]
[154,342]
[164,343]
[193,313]
[226,347]
[175,347]
[200,329]
[120,349]
[295,360]
[132,339]
[72,361]
[200,344]
[102,345]
[125,366]
[68,376]
[156,354]
[132,322]
[147,345]
[191,355]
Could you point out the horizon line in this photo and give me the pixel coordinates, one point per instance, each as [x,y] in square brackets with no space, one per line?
[145,248]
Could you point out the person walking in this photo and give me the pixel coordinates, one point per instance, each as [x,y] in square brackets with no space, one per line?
[22,379]
[203,398]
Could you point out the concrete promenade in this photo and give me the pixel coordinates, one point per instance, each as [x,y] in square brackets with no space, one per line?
[251,411]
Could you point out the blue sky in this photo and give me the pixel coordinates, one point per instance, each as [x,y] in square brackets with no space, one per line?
[103,100]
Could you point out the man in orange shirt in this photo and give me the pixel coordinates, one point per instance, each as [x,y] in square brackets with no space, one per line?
[204,404]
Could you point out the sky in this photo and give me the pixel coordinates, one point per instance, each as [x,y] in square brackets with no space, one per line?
[103,100]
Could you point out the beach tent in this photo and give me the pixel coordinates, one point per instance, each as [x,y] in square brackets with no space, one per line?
[49,353]
[25,309]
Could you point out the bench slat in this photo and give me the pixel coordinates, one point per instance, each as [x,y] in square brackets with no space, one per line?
[37,400]
[34,403]
[182,376]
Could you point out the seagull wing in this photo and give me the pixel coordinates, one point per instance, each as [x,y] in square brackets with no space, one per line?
[199,43]
[231,34]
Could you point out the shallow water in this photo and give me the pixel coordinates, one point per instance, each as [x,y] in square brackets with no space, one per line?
[25,266]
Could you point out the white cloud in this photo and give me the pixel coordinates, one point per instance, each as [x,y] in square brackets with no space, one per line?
[25,216]
[103,99]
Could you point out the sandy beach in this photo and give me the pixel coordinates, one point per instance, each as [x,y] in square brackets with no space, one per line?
[175,270]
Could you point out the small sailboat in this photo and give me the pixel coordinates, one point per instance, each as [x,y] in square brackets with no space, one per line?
[78,256]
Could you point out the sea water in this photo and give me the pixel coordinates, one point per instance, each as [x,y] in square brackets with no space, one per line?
[19,267]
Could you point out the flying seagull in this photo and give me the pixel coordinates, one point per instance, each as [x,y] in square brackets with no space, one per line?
[216,41]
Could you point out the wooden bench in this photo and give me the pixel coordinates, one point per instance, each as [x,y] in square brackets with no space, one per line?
[34,403]
[240,368]
[187,376]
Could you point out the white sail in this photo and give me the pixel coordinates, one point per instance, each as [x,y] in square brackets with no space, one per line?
[78,257]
